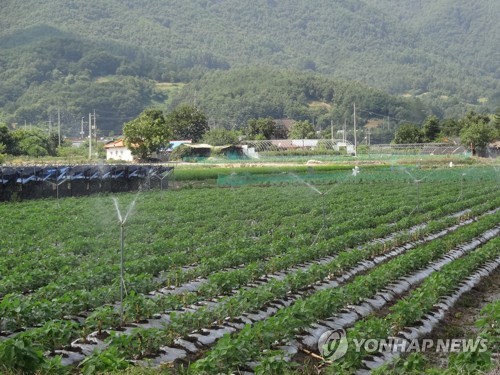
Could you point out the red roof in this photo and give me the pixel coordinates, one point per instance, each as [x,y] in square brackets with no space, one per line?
[117,143]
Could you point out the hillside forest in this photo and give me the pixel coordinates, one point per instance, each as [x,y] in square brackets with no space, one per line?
[237,60]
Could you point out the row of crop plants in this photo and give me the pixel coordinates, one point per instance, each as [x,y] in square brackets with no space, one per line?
[212,232]
[40,306]
[143,342]
[409,311]
[250,343]
[79,279]
[334,239]
[471,362]
[56,248]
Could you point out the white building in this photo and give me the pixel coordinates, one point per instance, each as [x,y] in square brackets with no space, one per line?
[116,150]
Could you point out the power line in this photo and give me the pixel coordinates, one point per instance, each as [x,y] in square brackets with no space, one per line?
[383,116]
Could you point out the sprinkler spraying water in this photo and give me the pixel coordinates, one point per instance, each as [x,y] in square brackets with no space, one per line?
[56,184]
[322,194]
[427,177]
[161,174]
[417,182]
[122,220]
[309,185]
[461,186]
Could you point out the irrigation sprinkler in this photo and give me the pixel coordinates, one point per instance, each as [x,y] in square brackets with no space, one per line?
[161,175]
[316,190]
[417,182]
[462,175]
[122,220]
[57,184]
[309,185]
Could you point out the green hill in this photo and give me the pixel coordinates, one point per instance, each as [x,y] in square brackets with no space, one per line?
[444,51]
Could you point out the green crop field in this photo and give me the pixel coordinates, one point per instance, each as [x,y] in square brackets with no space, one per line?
[249,274]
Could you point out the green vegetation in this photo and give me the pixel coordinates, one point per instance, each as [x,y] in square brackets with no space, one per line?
[458,363]
[239,97]
[119,58]
[187,122]
[475,130]
[408,134]
[433,46]
[147,133]
[302,130]
[175,237]
[220,137]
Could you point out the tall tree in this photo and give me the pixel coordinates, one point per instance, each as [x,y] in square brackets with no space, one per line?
[302,130]
[431,128]
[34,143]
[261,128]
[450,127]
[147,133]
[220,137]
[187,122]
[477,135]
[407,134]
[6,139]
[496,122]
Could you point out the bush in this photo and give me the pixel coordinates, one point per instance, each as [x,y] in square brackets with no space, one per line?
[180,153]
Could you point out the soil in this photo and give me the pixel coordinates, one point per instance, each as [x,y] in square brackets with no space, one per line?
[460,320]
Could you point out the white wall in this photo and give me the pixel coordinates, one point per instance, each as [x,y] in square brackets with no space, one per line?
[119,153]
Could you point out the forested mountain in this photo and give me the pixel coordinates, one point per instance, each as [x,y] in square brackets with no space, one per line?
[105,54]
[234,97]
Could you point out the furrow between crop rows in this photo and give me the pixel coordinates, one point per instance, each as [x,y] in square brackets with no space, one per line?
[310,337]
[255,275]
[207,337]
[321,304]
[429,321]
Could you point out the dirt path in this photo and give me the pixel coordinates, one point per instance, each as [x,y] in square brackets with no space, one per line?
[460,321]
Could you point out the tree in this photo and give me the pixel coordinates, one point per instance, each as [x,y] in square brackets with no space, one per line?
[187,122]
[147,133]
[220,137]
[450,128]
[431,128]
[302,130]
[473,118]
[261,128]
[496,123]
[477,135]
[408,133]
[6,138]
[33,143]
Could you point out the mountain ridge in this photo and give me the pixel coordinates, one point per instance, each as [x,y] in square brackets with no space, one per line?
[440,48]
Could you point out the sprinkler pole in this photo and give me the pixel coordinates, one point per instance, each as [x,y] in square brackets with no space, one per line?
[324,211]
[121,272]
[418,195]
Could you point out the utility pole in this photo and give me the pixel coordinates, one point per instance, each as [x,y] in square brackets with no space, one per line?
[24,124]
[95,131]
[82,133]
[90,136]
[355,139]
[344,136]
[331,128]
[50,125]
[59,126]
